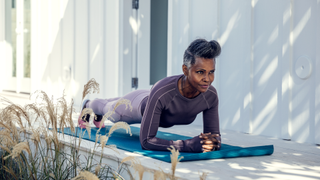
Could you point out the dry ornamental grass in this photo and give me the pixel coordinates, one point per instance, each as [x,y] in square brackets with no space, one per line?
[30,145]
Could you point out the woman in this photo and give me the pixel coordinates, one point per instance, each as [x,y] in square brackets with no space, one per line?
[172,101]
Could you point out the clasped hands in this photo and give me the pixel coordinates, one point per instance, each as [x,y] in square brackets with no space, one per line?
[209,142]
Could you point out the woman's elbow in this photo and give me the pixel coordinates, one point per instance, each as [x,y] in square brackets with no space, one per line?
[144,143]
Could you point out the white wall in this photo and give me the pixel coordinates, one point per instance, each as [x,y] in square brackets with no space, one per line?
[76,40]
[270,35]
[235,36]
[72,42]
[259,91]
[261,41]
[317,81]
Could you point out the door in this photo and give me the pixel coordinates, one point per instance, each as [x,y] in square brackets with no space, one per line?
[158,40]
[143,35]
[152,42]
[18,36]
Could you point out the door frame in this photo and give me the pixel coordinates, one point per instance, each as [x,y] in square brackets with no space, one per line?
[126,38]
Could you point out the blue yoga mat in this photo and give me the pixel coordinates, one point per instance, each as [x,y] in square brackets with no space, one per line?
[131,143]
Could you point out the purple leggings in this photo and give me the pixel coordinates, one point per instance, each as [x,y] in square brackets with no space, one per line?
[102,106]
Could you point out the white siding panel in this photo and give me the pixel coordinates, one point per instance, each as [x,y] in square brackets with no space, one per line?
[96,46]
[286,65]
[111,48]
[267,67]
[179,29]
[304,44]
[67,38]
[317,83]
[203,19]
[81,47]
[234,63]
[52,74]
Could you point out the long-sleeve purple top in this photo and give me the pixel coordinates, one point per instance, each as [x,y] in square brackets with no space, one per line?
[166,107]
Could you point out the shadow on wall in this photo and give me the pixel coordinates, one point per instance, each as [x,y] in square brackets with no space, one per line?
[303,91]
[77,34]
[230,73]
[265,74]
[58,69]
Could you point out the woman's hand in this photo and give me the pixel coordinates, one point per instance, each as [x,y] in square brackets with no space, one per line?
[209,142]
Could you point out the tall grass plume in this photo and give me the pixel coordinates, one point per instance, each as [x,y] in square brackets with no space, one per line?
[32,141]
[174,161]
[17,150]
[86,175]
[91,87]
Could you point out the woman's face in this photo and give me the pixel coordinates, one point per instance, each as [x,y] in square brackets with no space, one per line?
[201,74]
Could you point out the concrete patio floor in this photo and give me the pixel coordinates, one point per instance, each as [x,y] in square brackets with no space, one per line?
[290,160]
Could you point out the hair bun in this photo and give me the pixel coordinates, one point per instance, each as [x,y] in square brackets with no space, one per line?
[216,47]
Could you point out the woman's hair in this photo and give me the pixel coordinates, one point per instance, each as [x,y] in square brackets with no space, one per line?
[201,48]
